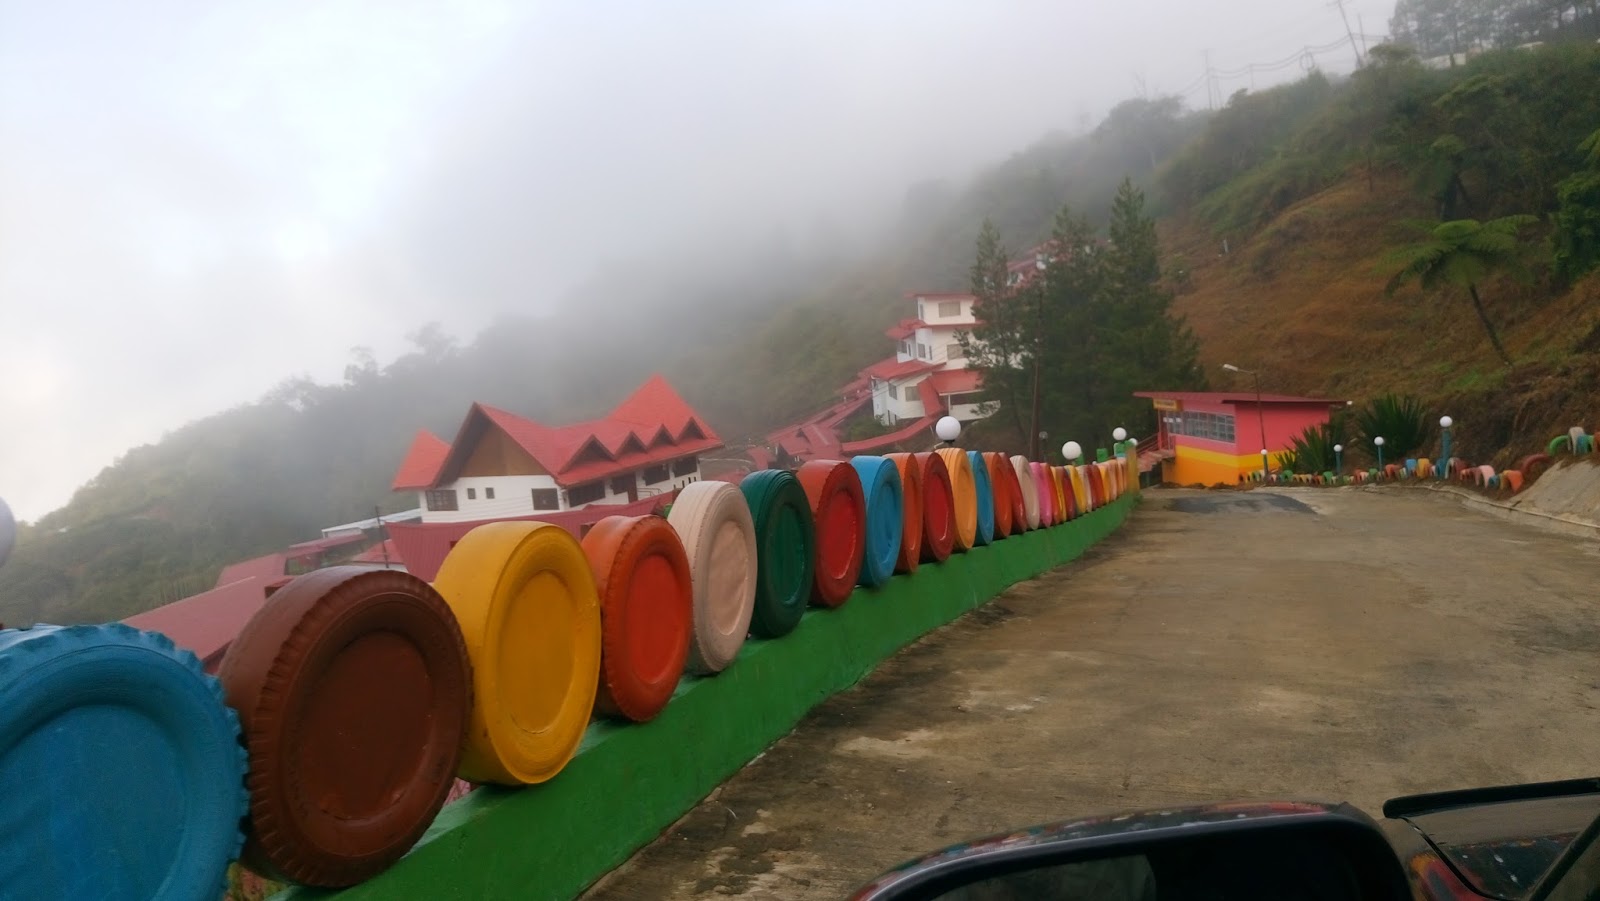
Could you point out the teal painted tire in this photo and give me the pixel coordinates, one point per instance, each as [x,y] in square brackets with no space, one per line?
[880,483]
[985,489]
[786,550]
[121,771]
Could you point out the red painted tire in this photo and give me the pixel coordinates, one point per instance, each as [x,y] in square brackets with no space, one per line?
[911,530]
[1019,506]
[353,687]
[965,492]
[1000,488]
[646,601]
[840,511]
[1534,465]
[938,509]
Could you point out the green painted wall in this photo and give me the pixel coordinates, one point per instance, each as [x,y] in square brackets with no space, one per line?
[630,782]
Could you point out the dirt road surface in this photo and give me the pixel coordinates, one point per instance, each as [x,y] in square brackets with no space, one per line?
[1349,644]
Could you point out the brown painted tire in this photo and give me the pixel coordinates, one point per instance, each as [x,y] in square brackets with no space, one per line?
[1000,488]
[911,501]
[965,492]
[719,536]
[352,686]
[839,509]
[1534,465]
[938,509]
[646,597]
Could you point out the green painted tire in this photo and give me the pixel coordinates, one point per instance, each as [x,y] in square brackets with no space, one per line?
[785,550]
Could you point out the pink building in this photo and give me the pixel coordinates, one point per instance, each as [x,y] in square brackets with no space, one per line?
[1212,437]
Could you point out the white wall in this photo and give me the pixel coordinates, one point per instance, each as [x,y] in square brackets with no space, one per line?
[513,496]
[966,412]
[909,403]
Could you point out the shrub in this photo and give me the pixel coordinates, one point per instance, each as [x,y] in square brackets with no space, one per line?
[1402,420]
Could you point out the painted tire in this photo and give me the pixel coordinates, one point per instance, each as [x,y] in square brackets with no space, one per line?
[983,489]
[1019,508]
[530,614]
[1061,482]
[938,509]
[1512,479]
[964,491]
[719,535]
[786,550]
[352,685]
[1043,487]
[999,467]
[1079,485]
[120,768]
[1069,497]
[911,526]
[641,574]
[880,484]
[1029,489]
[1533,465]
[840,511]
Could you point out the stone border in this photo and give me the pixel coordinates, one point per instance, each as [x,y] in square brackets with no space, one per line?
[629,782]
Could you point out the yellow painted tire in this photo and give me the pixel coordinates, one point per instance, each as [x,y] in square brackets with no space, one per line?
[719,535]
[526,601]
[965,495]
[1062,483]
[1030,490]
[1080,489]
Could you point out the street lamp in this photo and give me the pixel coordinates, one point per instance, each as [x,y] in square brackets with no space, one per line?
[1261,414]
[948,429]
[1379,442]
[1445,423]
[1072,451]
[1338,460]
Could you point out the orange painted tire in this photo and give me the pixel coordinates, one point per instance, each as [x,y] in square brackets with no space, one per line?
[965,493]
[1027,489]
[353,689]
[1512,479]
[938,509]
[911,529]
[1047,494]
[526,601]
[719,537]
[1079,485]
[840,510]
[1058,487]
[641,573]
[1000,487]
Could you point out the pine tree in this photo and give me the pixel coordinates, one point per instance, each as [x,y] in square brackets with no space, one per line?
[1000,342]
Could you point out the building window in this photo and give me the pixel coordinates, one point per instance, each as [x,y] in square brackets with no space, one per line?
[905,347]
[954,352]
[488,494]
[920,313]
[894,391]
[949,308]
[1208,426]
[924,352]
[655,474]
[622,484]
[686,466]
[546,499]
[586,494]
[472,494]
[442,499]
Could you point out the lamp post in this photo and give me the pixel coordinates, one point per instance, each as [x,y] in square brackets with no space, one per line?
[1338,460]
[1261,414]
[1118,435]
[1072,451]
[1445,423]
[948,429]
[1379,442]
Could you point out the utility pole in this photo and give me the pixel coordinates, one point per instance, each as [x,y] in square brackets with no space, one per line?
[1353,48]
[1361,26]
[383,539]
[1210,82]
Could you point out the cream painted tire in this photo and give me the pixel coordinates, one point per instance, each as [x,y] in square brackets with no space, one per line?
[719,535]
[1030,489]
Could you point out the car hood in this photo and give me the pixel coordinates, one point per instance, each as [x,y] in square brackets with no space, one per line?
[1497,850]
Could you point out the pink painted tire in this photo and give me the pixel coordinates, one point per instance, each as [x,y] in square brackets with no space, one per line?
[719,536]
[1046,494]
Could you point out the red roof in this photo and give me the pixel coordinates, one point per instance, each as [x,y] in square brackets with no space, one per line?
[318,546]
[652,425]
[956,381]
[947,295]
[422,546]
[894,369]
[207,623]
[270,566]
[422,462]
[1234,397]
[905,328]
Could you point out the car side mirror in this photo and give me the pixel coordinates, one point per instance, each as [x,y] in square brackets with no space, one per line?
[1284,851]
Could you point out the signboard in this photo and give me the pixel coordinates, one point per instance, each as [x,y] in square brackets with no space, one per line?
[1169,404]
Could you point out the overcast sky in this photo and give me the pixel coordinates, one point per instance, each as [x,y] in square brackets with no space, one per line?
[199,199]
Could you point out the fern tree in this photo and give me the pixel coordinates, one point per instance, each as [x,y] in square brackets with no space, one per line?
[1461,254]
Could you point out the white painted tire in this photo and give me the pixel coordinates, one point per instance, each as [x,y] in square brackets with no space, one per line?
[719,535]
[1030,489]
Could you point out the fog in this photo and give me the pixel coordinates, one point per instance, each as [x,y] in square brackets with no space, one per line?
[198,200]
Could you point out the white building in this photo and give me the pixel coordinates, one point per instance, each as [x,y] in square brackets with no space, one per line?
[502,465]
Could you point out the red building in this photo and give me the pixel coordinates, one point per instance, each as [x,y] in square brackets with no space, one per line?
[1212,437]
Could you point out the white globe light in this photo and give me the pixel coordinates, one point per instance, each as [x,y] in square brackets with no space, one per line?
[8,532]
[1119,433]
[1378,441]
[1446,422]
[1338,448]
[948,428]
[1133,442]
[1071,450]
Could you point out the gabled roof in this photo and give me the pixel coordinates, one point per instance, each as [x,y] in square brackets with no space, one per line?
[651,426]
[904,329]
[422,462]
[894,369]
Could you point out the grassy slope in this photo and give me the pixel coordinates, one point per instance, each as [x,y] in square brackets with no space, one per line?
[1303,299]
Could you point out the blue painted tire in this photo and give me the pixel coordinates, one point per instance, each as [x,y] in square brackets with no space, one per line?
[121,771]
[985,489]
[880,483]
